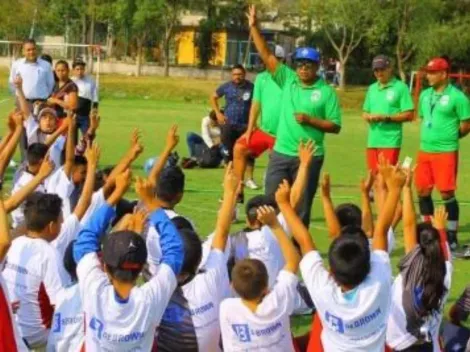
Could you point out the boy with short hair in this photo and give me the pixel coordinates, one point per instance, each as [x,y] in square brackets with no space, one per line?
[353,297]
[259,319]
[120,316]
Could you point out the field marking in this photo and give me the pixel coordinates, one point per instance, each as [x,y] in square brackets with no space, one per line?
[4,100]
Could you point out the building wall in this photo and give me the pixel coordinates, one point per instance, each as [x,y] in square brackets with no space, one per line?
[187,53]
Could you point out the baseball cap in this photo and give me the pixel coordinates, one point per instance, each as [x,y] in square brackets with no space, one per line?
[437,64]
[124,250]
[380,62]
[279,52]
[47,111]
[307,54]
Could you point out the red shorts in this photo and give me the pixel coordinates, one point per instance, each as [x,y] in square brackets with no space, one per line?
[437,169]
[259,143]
[390,154]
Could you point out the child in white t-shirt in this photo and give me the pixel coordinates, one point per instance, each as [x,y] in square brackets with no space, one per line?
[352,297]
[259,319]
[119,316]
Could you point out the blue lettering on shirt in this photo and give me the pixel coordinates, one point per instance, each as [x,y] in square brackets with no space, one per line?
[97,326]
[60,322]
[337,324]
[334,322]
[56,327]
[242,331]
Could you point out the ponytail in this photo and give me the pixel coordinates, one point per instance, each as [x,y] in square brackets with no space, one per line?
[434,268]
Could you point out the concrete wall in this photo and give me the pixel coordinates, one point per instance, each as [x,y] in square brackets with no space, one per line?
[122,68]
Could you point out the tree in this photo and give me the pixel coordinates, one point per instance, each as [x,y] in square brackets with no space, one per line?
[344,22]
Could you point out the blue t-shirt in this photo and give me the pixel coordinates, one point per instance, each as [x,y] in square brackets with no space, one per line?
[237,101]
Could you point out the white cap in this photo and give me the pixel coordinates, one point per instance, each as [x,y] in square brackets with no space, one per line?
[279,52]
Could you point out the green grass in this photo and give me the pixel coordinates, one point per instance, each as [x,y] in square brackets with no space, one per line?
[124,108]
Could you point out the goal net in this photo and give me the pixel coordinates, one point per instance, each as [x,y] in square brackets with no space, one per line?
[90,54]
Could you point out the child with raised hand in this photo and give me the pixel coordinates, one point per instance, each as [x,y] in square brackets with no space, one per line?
[421,289]
[259,318]
[119,316]
[353,297]
[191,320]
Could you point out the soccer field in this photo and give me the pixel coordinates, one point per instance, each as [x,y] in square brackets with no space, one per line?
[345,159]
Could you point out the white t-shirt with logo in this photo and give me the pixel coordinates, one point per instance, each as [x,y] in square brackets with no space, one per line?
[267,329]
[398,337]
[33,275]
[97,201]
[59,183]
[68,232]
[356,320]
[68,329]
[115,325]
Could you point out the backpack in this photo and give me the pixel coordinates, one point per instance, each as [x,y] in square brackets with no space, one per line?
[209,158]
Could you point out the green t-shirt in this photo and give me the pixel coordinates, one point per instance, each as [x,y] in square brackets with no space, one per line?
[268,94]
[441,114]
[318,100]
[391,99]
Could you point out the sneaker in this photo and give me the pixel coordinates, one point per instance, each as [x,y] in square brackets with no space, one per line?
[251,184]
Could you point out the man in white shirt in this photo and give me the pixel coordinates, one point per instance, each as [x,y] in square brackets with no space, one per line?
[87,95]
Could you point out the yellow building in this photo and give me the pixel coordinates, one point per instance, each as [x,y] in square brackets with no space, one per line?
[187,52]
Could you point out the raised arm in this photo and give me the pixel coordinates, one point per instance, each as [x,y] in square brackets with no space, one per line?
[92,154]
[7,152]
[24,106]
[299,231]
[366,209]
[260,43]
[5,238]
[306,151]
[267,216]
[172,140]
[70,146]
[57,133]
[88,239]
[19,197]
[332,223]
[395,180]
[224,219]
[409,215]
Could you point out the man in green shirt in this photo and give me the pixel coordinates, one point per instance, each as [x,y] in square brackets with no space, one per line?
[255,141]
[387,106]
[309,109]
[445,118]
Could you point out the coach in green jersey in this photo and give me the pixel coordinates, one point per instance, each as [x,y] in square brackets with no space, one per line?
[445,118]
[310,108]
[388,104]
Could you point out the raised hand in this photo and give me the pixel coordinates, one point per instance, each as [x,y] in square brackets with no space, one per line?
[306,151]
[123,180]
[172,137]
[136,145]
[251,15]
[231,181]
[144,190]
[92,153]
[18,82]
[325,185]
[283,193]
[47,167]
[367,183]
[385,169]
[138,220]
[439,220]
[397,179]
[267,216]
[95,120]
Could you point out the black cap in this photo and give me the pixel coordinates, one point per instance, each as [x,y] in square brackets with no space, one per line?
[380,62]
[254,203]
[124,250]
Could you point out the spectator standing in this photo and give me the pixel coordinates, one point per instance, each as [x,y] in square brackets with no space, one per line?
[65,94]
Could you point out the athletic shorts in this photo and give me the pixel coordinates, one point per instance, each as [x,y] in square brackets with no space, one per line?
[437,170]
[259,142]
[390,154]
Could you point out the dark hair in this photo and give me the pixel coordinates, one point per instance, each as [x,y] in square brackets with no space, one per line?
[249,278]
[29,41]
[170,184]
[41,209]
[80,160]
[36,153]
[47,57]
[212,115]
[257,201]
[62,62]
[434,267]
[192,253]
[69,262]
[349,214]
[181,223]
[76,63]
[123,275]
[349,257]
[238,67]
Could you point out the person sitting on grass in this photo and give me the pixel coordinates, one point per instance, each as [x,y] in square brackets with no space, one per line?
[119,315]
[352,298]
[205,150]
[260,318]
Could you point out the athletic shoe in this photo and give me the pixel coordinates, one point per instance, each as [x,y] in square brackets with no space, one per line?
[251,184]
[188,163]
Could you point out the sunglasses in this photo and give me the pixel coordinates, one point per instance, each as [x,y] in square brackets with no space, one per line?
[305,64]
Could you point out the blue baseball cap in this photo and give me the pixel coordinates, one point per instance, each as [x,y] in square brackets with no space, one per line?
[307,54]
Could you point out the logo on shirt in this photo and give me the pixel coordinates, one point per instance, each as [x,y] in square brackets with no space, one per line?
[335,323]
[60,322]
[390,95]
[246,96]
[444,100]
[242,331]
[316,95]
[97,326]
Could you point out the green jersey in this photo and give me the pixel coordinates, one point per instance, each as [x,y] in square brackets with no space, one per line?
[268,94]
[389,99]
[318,100]
[441,114]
